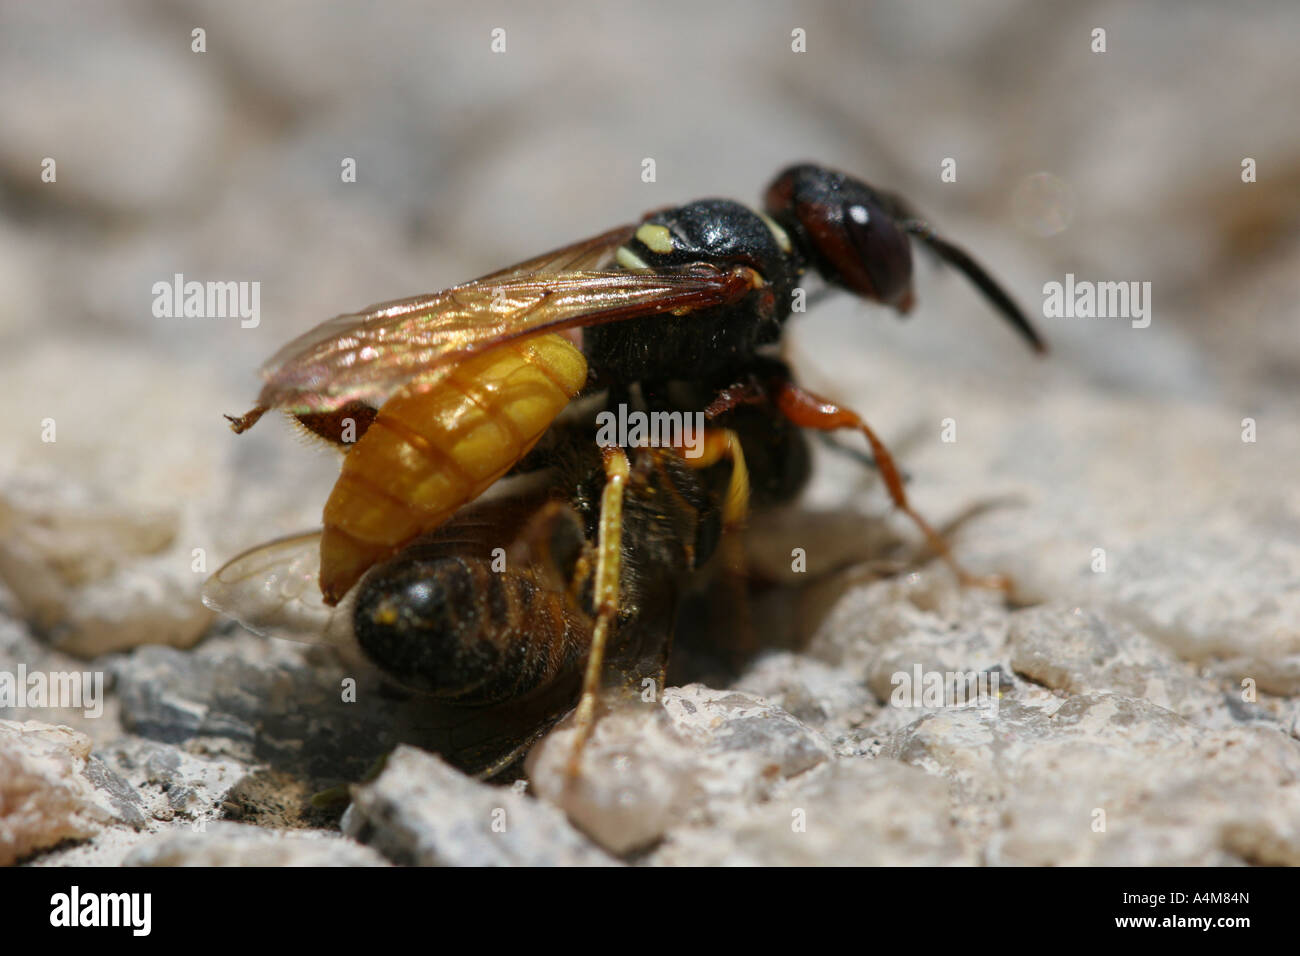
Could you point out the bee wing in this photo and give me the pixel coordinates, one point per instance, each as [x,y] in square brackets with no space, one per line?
[368,355]
[273,590]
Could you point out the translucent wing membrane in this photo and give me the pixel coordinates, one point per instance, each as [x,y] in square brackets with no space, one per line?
[272,590]
[586,255]
[366,356]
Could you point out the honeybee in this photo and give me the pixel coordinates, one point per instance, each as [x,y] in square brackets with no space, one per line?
[435,398]
[492,616]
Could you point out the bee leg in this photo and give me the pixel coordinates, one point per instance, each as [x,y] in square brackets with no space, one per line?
[609,562]
[807,410]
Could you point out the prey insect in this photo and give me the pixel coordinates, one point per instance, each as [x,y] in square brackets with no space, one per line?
[446,393]
[498,641]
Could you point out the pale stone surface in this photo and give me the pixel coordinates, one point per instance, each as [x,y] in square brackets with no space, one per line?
[1078,652]
[420,811]
[108,530]
[650,768]
[240,844]
[45,797]
[849,813]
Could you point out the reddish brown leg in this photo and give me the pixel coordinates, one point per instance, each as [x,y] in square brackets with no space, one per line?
[807,410]
[246,421]
[742,393]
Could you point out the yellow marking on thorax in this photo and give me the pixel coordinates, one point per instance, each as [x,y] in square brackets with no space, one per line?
[629,259]
[781,236]
[656,238]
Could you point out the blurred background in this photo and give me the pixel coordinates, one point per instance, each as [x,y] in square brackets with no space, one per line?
[1123,165]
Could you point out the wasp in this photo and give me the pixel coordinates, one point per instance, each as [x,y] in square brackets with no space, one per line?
[435,398]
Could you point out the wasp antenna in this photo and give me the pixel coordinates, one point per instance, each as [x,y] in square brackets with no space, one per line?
[246,421]
[955,256]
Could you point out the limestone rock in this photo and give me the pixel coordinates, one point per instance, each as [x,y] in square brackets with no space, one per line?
[647,768]
[239,844]
[45,797]
[420,811]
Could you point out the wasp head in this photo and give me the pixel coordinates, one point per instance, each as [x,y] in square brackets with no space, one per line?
[846,230]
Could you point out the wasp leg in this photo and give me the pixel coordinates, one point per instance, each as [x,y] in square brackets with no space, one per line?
[246,421]
[807,410]
[609,562]
[720,443]
[855,454]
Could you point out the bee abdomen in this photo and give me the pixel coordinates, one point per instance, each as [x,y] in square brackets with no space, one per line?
[453,628]
[436,446]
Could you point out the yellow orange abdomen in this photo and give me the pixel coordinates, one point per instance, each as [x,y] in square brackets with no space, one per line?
[434,446]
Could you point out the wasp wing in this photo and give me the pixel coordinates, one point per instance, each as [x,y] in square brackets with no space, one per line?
[587,255]
[366,356]
[273,590]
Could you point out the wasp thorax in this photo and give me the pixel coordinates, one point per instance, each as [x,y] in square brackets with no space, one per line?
[847,231]
[719,232]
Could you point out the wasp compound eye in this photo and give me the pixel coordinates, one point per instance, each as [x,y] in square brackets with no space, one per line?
[847,231]
[873,256]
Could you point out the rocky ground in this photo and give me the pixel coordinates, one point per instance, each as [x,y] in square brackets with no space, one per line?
[1138,483]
